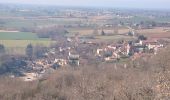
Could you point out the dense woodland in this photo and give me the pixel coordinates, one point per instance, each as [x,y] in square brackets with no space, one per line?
[143,79]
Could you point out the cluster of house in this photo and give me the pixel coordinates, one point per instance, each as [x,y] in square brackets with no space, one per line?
[114,52]
[64,55]
[147,46]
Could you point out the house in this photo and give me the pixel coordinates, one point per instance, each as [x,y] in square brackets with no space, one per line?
[152,44]
[99,52]
[73,59]
[59,63]
[111,56]
[138,43]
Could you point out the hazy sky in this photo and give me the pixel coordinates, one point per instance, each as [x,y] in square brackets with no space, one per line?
[164,4]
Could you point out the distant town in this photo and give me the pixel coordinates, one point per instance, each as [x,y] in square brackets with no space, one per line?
[49,38]
[81,45]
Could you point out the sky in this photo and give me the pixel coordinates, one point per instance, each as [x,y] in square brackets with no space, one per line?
[152,4]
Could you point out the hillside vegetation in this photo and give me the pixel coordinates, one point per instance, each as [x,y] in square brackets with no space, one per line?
[143,79]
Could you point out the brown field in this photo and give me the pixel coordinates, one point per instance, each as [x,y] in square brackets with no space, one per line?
[111,36]
[104,17]
[90,31]
[158,32]
[82,31]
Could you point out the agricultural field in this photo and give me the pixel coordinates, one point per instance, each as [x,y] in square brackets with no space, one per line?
[111,36]
[89,31]
[18,23]
[158,32]
[18,36]
[18,46]
[16,42]
[24,43]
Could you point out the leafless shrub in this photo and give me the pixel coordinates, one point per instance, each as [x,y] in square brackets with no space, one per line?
[99,82]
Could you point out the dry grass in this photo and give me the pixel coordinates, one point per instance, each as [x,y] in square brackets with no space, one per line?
[85,83]
[158,32]
[90,31]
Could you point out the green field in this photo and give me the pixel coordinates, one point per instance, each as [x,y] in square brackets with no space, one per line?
[21,39]
[16,42]
[24,43]
[18,46]
[19,36]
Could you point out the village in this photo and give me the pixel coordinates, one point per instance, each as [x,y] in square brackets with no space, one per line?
[75,52]
[84,50]
[78,37]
